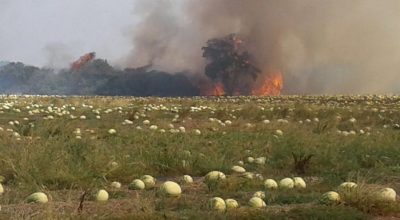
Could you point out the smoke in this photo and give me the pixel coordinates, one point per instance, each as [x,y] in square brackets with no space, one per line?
[331,46]
[95,77]
[230,64]
[58,55]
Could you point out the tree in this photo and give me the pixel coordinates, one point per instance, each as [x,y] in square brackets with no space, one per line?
[230,64]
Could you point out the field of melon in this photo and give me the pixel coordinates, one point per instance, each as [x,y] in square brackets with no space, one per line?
[286,157]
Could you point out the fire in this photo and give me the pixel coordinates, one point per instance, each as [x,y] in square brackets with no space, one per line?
[75,66]
[218,90]
[272,85]
[230,63]
[214,89]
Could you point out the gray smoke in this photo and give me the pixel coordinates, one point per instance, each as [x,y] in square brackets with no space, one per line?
[330,46]
[58,55]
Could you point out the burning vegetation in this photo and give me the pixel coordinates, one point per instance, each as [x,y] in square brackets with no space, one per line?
[230,65]
[271,84]
[232,70]
[83,60]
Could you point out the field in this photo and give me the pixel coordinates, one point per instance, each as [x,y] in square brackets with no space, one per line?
[71,147]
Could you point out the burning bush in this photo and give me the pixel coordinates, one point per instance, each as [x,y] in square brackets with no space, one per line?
[83,60]
[230,64]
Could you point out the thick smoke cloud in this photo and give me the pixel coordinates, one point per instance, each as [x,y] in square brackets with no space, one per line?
[331,46]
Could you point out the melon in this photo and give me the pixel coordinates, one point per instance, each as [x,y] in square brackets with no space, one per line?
[286,183]
[387,195]
[257,202]
[259,176]
[248,175]
[137,184]
[37,197]
[270,184]
[148,181]
[217,204]
[250,159]
[330,197]
[260,160]
[112,131]
[214,176]
[114,164]
[238,169]
[231,204]
[347,185]
[102,196]
[171,189]
[153,127]
[116,185]
[299,183]
[187,179]
[259,194]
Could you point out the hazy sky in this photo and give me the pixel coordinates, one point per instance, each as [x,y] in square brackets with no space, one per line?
[322,46]
[47,32]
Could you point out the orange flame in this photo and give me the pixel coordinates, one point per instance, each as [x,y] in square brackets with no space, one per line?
[269,85]
[82,61]
[215,89]
[272,85]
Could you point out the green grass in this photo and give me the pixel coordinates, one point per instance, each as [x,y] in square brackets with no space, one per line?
[47,157]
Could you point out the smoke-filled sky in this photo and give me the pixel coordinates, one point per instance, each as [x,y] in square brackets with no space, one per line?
[54,32]
[321,46]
